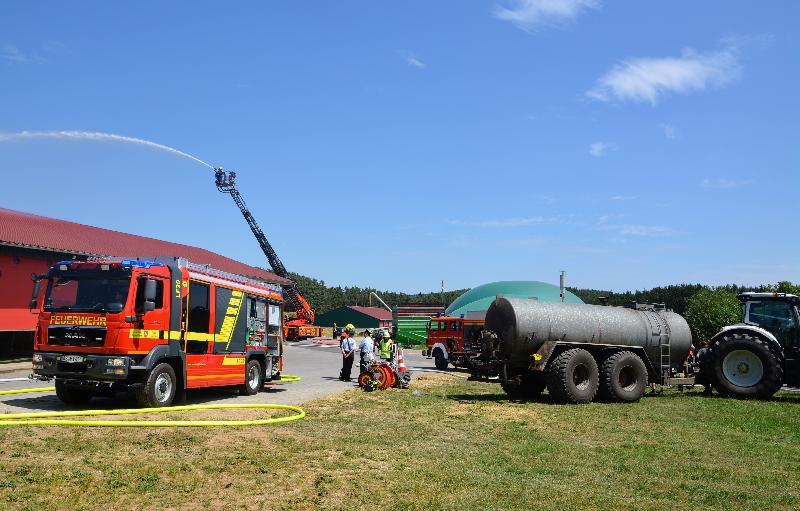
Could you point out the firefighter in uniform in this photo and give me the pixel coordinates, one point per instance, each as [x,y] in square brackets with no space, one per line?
[366,348]
[386,346]
[348,349]
[704,378]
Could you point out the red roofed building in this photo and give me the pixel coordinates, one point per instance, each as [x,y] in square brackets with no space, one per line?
[31,243]
[361,317]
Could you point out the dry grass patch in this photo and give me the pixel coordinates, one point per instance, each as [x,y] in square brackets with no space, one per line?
[447,443]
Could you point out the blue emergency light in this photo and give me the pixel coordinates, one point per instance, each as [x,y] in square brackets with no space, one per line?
[133,263]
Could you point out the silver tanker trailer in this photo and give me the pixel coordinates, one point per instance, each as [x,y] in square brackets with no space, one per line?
[580,351]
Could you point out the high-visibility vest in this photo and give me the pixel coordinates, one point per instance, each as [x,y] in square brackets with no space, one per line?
[386,348]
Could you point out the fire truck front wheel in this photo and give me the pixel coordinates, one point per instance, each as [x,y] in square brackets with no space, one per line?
[71,395]
[160,387]
[439,360]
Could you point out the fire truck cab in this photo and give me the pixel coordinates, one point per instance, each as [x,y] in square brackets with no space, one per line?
[156,327]
[451,340]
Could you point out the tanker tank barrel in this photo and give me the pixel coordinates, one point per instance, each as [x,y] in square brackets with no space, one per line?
[524,325]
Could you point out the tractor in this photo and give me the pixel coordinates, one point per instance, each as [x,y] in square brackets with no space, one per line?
[754,358]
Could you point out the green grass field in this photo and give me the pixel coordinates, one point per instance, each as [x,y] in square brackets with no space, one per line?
[450,444]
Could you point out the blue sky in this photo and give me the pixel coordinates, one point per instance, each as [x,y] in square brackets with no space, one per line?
[395,144]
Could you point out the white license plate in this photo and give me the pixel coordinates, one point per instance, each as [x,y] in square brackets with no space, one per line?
[72,359]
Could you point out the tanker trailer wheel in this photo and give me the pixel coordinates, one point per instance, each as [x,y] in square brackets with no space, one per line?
[530,388]
[745,366]
[623,377]
[439,360]
[572,377]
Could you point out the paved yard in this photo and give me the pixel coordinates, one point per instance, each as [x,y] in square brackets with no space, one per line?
[317,364]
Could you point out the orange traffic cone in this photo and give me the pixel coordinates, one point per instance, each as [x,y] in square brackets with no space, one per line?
[401,364]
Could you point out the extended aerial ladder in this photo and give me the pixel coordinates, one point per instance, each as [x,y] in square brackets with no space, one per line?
[303,326]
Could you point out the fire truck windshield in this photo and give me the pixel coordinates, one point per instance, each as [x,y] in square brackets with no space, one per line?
[87,291]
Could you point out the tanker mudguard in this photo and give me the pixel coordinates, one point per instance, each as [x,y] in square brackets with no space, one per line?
[753,329]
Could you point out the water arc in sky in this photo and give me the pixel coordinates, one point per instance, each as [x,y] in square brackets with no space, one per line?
[92,135]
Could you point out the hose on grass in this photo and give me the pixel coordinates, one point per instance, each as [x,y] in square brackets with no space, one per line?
[285,378]
[58,418]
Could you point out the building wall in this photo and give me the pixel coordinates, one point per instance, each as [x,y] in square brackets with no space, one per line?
[15,290]
[345,315]
[17,322]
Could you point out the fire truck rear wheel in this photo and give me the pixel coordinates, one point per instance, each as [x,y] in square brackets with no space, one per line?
[440,360]
[160,387]
[71,396]
[252,379]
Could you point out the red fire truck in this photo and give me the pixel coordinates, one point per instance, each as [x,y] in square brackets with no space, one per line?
[156,327]
[452,340]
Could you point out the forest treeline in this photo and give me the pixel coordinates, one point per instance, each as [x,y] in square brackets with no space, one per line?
[324,298]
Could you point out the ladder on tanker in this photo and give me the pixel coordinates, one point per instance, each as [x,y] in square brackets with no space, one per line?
[666,352]
[667,378]
[666,360]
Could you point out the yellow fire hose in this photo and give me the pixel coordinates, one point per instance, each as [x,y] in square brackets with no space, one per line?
[25,391]
[56,418]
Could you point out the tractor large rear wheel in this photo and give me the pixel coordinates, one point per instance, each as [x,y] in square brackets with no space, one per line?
[743,365]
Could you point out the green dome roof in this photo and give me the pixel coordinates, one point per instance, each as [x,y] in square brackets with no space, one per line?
[479,298]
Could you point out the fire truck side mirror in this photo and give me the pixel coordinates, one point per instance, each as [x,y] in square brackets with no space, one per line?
[149,295]
[37,281]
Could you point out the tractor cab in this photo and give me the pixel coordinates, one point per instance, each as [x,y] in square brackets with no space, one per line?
[778,313]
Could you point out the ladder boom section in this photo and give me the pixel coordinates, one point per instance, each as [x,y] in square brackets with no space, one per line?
[226,183]
[272,256]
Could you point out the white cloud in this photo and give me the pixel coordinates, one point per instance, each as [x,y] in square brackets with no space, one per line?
[638,230]
[526,242]
[505,222]
[726,183]
[644,230]
[623,197]
[411,59]
[11,53]
[648,79]
[669,130]
[598,149]
[414,62]
[530,14]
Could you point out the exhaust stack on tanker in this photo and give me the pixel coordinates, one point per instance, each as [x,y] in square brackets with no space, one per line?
[580,351]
